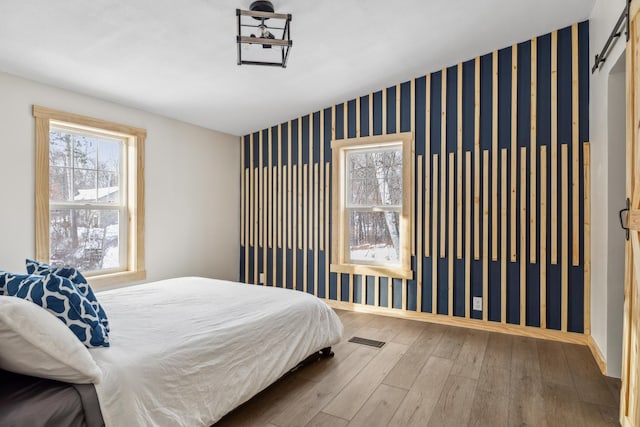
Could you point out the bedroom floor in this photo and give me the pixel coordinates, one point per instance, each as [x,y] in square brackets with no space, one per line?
[434,375]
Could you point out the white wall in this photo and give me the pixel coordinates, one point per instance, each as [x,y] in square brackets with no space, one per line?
[191,177]
[616,188]
[603,308]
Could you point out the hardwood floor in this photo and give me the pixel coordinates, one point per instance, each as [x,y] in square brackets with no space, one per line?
[434,375]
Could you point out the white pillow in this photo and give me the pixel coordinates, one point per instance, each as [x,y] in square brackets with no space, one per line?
[36,343]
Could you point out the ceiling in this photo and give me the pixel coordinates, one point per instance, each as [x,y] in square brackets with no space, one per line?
[177,58]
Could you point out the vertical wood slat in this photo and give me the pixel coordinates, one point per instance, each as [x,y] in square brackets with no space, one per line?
[412,103]
[311,229]
[371,114]
[251,191]
[398,108]
[289,190]
[564,268]
[280,187]
[554,148]
[256,221]
[294,229]
[326,231]
[543,236]
[384,111]
[503,237]
[246,224]
[242,194]
[312,225]
[427,169]
[322,178]
[351,300]
[587,237]
[376,291]
[494,159]
[533,150]
[575,139]
[305,225]
[419,225]
[485,240]
[404,294]
[345,119]
[276,225]
[434,257]
[514,149]
[467,234]
[260,192]
[459,166]
[357,117]
[476,164]
[451,215]
[523,236]
[389,292]
[315,227]
[301,187]
[345,127]
[264,190]
[443,166]
[285,219]
[269,195]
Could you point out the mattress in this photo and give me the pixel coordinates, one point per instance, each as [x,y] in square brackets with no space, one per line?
[187,351]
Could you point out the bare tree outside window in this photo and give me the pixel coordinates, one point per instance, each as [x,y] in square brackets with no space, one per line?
[373,204]
[85,200]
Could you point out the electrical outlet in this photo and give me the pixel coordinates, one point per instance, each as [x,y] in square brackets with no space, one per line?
[261,277]
[477,303]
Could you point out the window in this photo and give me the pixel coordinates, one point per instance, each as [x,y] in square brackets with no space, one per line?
[372,194]
[89,196]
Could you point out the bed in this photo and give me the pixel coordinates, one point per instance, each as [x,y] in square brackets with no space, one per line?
[187,351]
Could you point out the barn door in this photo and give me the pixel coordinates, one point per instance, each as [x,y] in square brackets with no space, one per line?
[630,393]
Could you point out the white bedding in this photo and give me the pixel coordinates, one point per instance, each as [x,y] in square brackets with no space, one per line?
[187,351]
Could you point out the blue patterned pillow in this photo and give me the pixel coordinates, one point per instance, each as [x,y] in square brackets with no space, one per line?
[35,267]
[62,298]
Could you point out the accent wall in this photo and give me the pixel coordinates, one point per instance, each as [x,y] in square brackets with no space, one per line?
[501,207]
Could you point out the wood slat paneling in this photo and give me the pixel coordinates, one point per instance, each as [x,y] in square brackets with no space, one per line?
[554,148]
[476,163]
[575,145]
[434,258]
[514,151]
[543,236]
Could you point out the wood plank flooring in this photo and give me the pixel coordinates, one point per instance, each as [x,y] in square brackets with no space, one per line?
[435,375]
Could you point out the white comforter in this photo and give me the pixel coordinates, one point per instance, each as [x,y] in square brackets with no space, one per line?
[187,351]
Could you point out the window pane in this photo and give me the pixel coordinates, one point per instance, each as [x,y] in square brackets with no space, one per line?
[108,190]
[60,148]
[60,188]
[85,153]
[374,177]
[374,237]
[85,238]
[84,182]
[109,155]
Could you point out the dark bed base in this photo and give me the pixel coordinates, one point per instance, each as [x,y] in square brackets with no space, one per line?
[37,402]
[325,353]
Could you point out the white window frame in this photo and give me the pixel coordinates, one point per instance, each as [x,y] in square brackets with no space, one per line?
[132,196]
[340,261]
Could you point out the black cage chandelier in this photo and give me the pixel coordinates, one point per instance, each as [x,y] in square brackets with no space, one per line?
[257,40]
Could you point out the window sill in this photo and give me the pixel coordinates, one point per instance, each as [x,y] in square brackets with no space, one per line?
[372,270]
[120,278]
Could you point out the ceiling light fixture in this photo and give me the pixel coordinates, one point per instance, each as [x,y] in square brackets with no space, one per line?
[252,35]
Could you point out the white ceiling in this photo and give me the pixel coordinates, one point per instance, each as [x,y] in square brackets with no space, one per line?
[177,58]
